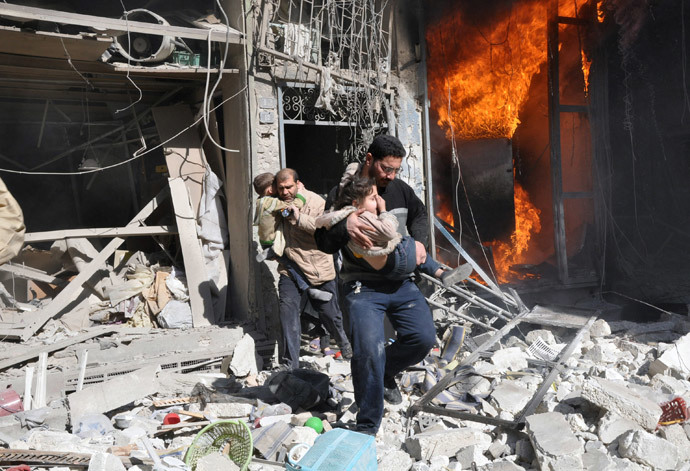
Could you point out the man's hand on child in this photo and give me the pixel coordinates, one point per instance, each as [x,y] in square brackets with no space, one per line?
[355,228]
[293,217]
[420,252]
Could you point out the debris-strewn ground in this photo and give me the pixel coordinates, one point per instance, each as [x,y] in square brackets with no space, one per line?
[147,393]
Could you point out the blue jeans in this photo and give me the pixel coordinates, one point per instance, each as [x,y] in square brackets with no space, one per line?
[366,303]
[402,261]
[292,300]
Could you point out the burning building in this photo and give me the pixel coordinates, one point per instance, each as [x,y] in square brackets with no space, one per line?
[552,133]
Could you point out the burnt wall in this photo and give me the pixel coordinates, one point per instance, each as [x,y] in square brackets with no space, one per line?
[647,164]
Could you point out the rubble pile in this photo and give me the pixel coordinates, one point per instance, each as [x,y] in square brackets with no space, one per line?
[617,401]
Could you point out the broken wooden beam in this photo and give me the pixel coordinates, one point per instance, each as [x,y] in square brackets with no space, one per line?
[100,232]
[29,273]
[68,295]
[35,352]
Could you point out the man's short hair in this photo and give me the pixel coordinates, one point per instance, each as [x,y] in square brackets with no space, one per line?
[286,173]
[263,181]
[385,145]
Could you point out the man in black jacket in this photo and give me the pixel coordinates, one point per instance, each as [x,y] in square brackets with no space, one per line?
[369,296]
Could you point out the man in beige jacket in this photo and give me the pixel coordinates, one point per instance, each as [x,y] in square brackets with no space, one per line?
[300,247]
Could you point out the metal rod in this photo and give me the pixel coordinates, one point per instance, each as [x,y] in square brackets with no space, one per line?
[495,289]
[474,356]
[470,297]
[463,316]
[546,384]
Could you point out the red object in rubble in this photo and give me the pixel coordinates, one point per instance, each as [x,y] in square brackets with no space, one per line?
[673,412]
[171,418]
[21,467]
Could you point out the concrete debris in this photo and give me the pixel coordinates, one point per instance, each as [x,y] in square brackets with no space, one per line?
[676,358]
[600,412]
[556,446]
[612,426]
[644,448]
[618,398]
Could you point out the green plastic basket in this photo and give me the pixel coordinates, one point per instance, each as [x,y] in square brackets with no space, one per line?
[229,437]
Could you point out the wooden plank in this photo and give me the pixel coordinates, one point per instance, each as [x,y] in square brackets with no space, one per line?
[545,316]
[70,292]
[50,44]
[47,236]
[117,26]
[195,268]
[29,273]
[35,352]
[183,153]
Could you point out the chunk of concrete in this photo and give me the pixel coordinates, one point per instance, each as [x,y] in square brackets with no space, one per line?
[503,465]
[556,446]
[228,410]
[600,328]
[546,336]
[472,454]
[676,435]
[216,462]
[446,442]
[514,359]
[611,426]
[616,397]
[114,393]
[676,359]
[511,397]
[245,361]
[596,460]
[644,448]
[396,460]
[105,462]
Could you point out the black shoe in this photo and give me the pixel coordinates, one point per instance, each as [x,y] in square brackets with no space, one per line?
[346,352]
[391,393]
[450,277]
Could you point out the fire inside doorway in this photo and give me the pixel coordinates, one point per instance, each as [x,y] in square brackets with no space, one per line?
[512,152]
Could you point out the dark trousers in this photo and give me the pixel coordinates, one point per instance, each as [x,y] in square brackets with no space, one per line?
[366,304]
[292,302]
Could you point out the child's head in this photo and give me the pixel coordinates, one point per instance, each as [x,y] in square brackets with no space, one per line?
[359,192]
[263,184]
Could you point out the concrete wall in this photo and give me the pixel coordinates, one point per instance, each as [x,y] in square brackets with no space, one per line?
[237,122]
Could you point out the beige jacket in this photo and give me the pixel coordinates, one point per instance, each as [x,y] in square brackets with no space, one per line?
[11,225]
[300,246]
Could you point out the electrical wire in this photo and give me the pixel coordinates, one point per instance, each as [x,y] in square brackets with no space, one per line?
[209,96]
[71,64]
[129,60]
[134,157]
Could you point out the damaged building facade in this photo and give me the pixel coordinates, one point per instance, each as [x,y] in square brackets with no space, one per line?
[548,140]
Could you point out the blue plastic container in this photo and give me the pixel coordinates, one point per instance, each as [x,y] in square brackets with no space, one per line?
[339,450]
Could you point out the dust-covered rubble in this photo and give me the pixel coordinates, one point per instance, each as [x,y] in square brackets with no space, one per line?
[611,407]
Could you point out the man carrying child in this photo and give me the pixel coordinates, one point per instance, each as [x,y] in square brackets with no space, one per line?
[304,270]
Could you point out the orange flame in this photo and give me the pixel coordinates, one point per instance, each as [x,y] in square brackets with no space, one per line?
[479,82]
[527,224]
